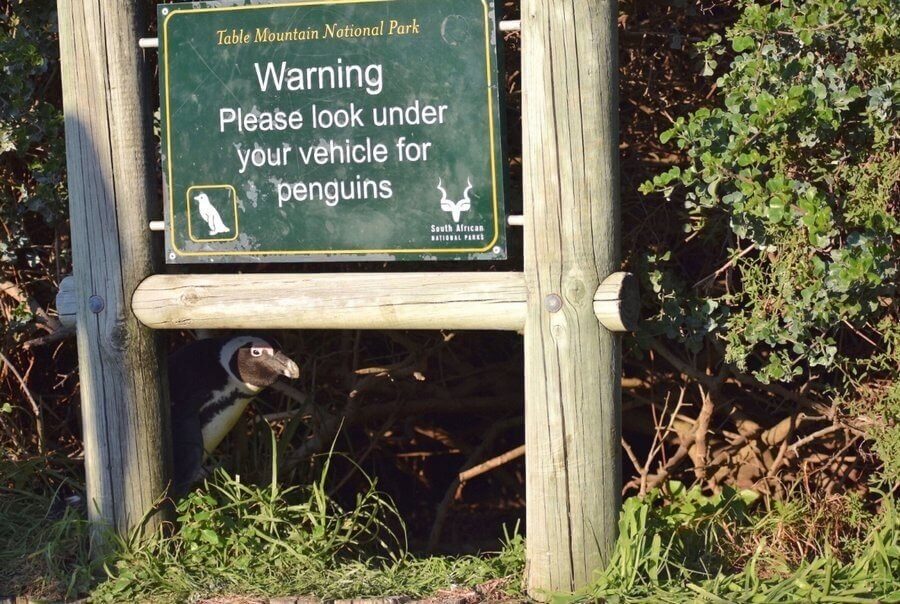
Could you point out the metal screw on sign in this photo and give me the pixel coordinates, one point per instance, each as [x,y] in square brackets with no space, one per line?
[497,249]
[165,11]
[553,303]
[96,304]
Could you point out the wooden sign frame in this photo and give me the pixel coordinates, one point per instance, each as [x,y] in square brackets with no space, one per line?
[568,299]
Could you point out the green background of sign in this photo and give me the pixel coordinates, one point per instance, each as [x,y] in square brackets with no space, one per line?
[446,63]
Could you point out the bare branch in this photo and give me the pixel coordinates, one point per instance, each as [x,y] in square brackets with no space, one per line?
[38,417]
[490,464]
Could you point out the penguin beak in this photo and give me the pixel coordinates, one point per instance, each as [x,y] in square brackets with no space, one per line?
[289,367]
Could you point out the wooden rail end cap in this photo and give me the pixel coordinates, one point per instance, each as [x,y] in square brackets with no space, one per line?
[617,303]
[66,302]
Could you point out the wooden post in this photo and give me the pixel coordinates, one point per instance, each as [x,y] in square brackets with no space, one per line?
[111,189]
[572,364]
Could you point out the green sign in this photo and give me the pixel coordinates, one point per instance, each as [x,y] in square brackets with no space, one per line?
[341,130]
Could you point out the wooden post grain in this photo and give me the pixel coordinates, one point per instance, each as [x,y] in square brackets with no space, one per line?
[108,124]
[572,363]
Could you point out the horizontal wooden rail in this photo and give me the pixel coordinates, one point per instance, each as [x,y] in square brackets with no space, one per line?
[354,301]
[333,301]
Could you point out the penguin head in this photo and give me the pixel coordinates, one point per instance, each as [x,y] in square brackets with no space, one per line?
[257,362]
[202,197]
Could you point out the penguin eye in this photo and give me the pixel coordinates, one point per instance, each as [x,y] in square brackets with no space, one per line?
[256,352]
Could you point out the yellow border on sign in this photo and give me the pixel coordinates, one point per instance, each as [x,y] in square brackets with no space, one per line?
[491,125]
[237,228]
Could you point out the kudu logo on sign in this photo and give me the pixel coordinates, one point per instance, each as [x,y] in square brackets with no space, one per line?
[456,208]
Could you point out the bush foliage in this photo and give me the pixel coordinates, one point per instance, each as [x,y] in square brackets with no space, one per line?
[797,172]
[32,146]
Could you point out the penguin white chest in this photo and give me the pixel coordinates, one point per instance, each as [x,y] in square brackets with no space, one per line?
[221,418]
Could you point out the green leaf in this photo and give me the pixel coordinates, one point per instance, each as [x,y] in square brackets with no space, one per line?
[775,209]
[211,537]
[818,89]
[764,103]
[742,43]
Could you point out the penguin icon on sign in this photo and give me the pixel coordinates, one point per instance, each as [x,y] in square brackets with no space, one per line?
[211,215]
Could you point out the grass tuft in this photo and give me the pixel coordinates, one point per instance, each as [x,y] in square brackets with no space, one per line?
[694,548]
[234,538]
[674,546]
[41,554]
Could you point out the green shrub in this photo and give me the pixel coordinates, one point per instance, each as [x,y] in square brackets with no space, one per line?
[32,146]
[800,163]
[797,171]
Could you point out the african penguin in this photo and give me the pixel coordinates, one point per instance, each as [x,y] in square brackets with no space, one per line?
[210,384]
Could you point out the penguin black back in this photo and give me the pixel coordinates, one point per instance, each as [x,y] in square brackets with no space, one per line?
[194,371]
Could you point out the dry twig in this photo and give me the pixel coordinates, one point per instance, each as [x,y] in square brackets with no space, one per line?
[36,409]
[490,464]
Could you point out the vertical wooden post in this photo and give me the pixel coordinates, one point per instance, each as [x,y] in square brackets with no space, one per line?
[572,364]
[108,124]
